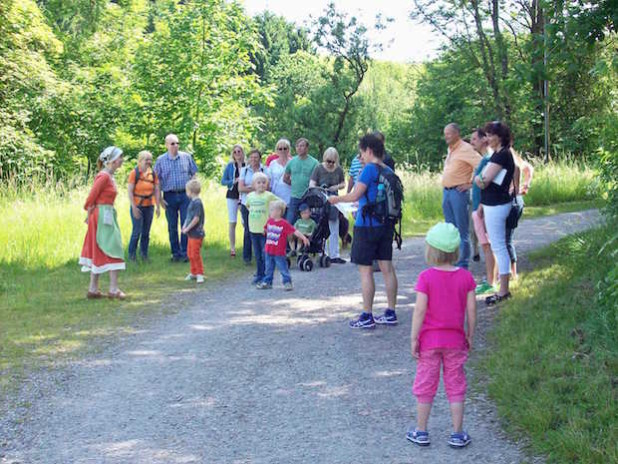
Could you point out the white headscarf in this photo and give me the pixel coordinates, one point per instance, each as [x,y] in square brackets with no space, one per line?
[110,154]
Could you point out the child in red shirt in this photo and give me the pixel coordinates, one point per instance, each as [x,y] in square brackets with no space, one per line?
[277,230]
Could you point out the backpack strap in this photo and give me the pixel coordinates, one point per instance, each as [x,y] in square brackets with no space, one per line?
[137,179]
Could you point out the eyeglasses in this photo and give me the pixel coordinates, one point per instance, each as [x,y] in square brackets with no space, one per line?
[330,162]
[283,148]
[174,143]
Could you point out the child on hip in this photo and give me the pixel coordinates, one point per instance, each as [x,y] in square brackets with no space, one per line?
[258,203]
[277,231]
[445,303]
[193,228]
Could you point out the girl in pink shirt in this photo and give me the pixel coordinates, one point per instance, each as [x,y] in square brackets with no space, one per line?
[445,299]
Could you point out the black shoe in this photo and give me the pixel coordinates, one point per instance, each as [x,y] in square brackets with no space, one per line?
[184,259]
[476,258]
[145,259]
[133,259]
[338,261]
[176,259]
[495,299]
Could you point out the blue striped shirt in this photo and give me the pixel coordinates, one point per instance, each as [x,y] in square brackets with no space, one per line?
[355,168]
[174,173]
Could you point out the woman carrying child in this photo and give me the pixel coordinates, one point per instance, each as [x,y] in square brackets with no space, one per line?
[102,251]
[277,230]
[445,303]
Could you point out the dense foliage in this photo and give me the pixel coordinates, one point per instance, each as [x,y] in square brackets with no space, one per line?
[77,76]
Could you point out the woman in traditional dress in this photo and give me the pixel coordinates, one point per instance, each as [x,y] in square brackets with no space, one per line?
[102,250]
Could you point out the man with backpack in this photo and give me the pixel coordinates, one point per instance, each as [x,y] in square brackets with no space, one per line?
[379,194]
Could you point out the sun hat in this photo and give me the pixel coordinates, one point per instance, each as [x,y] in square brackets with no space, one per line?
[110,154]
[303,207]
[444,237]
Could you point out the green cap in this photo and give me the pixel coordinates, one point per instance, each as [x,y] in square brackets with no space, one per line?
[444,237]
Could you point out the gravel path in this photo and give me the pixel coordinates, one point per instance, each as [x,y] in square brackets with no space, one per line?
[239,375]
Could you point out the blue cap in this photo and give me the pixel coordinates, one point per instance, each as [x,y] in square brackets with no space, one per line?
[303,207]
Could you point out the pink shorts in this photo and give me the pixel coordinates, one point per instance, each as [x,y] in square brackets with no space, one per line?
[428,375]
[479,228]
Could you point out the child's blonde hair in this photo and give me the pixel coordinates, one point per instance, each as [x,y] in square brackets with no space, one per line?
[194,186]
[435,257]
[259,176]
[277,204]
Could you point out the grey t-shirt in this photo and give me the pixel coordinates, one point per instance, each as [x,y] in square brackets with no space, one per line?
[323,178]
[195,209]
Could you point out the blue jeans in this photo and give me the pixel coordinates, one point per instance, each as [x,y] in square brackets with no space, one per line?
[246,241]
[258,241]
[177,204]
[141,229]
[292,213]
[282,264]
[455,206]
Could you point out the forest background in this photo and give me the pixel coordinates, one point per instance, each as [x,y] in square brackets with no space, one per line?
[80,75]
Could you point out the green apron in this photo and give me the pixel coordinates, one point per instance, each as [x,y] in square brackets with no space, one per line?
[108,235]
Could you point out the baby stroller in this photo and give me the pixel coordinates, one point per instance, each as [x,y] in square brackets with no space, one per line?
[317,200]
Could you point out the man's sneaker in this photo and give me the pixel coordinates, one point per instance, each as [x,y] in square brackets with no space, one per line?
[483,288]
[190,277]
[263,286]
[459,440]
[199,279]
[288,286]
[419,437]
[365,321]
[338,260]
[256,280]
[388,318]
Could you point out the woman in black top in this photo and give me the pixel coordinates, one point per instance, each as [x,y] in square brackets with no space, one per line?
[230,180]
[495,182]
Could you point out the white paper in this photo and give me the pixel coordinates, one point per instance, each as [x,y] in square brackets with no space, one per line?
[499,178]
[347,208]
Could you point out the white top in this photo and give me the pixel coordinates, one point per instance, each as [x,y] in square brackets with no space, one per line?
[275,174]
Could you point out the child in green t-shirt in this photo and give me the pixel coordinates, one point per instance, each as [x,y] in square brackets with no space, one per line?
[304,225]
[257,203]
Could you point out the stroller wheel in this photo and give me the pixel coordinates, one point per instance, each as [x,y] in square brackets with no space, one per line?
[308,265]
[326,261]
[321,261]
[301,265]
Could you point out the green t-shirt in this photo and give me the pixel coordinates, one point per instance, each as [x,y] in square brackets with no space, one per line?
[305,226]
[300,170]
[258,210]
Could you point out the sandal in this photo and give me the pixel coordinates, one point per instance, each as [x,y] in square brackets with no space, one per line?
[118,295]
[495,299]
[94,295]
[233,253]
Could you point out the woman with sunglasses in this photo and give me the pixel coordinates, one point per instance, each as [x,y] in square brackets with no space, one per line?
[230,177]
[330,176]
[276,170]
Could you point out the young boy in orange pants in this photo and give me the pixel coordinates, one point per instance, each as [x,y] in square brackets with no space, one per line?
[194,229]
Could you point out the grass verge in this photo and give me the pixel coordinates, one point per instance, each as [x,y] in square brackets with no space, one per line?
[553,365]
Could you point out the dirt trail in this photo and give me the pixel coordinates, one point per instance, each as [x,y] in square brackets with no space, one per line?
[239,375]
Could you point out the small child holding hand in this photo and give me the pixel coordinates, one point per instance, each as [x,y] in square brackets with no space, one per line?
[194,229]
[277,230]
[445,303]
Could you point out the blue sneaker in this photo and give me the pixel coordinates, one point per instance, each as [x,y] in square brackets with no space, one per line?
[459,440]
[388,318]
[418,437]
[364,321]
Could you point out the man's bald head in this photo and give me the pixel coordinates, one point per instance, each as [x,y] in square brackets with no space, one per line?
[452,133]
[171,143]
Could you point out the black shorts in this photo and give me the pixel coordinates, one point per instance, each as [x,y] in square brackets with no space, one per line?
[371,243]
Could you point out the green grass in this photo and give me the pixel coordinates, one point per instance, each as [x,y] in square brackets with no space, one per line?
[556,188]
[553,361]
[45,316]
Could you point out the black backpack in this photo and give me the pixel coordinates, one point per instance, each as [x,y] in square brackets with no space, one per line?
[388,207]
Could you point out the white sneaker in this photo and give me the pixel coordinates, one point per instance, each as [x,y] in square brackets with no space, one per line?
[190,277]
[199,279]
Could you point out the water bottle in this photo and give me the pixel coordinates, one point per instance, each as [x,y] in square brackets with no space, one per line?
[381,195]
[381,207]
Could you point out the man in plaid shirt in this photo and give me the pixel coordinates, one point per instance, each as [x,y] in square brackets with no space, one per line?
[174,169]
